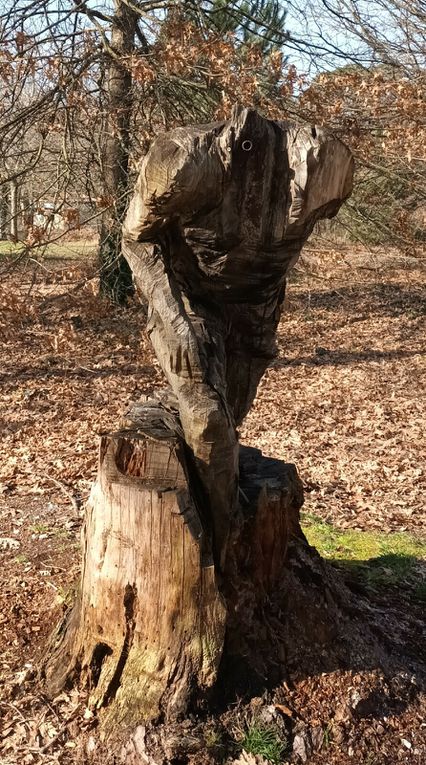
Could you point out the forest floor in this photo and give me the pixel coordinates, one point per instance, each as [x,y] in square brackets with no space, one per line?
[344,401]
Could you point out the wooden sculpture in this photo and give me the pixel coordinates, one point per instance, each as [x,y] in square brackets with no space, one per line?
[184,529]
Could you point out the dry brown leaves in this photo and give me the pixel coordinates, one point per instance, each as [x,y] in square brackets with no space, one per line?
[361,717]
[344,401]
[69,367]
[373,105]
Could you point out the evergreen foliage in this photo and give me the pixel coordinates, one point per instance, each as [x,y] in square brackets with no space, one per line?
[261,22]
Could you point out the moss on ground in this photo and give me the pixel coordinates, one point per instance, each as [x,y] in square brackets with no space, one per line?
[375,559]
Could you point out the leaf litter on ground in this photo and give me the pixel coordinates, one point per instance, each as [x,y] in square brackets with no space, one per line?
[344,401]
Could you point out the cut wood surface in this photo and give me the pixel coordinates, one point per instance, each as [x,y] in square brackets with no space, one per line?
[151,618]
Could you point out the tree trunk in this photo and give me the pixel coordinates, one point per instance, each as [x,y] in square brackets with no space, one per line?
[148,631]
[187,534]
[14,212]
[26,213]
[3,212]
[115,275]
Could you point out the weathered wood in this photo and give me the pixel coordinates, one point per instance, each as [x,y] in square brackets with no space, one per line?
[220,213]
[147,633]
[271,496]
[186,534]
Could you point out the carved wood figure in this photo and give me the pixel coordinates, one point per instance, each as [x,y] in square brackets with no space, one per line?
[219,215]
[183,526]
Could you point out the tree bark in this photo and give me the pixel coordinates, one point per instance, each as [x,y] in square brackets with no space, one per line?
[150,606]
[187,534]
[14,212]
[3,212]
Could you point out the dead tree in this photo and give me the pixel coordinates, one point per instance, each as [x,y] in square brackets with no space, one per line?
[186,532]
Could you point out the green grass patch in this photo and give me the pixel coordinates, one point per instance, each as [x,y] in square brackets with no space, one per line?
[21,559]
[375,559]
[264,740]
[9,248]
[39,528]
[51,250]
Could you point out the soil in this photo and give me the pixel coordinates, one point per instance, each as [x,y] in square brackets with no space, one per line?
[344,401]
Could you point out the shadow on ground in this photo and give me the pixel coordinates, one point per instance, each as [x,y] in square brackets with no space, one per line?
[389,574]
[327,357]
[365,300]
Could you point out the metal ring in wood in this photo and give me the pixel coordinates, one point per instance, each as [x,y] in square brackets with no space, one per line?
[246,145]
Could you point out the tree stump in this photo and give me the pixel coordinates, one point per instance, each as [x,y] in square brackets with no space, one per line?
[150,609]
[186,532]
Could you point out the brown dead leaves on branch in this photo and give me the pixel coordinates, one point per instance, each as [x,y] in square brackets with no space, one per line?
[381,114]
[376,109]
[217,65]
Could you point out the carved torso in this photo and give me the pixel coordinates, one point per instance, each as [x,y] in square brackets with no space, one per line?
[219,214]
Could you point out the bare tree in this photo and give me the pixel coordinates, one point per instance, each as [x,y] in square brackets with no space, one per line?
[89,83]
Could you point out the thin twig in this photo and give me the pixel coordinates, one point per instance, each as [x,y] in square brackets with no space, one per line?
[74,497]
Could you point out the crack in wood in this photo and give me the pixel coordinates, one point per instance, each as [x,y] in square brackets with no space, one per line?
[130,605]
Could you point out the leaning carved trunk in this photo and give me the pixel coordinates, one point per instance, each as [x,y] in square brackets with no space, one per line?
[187,533]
